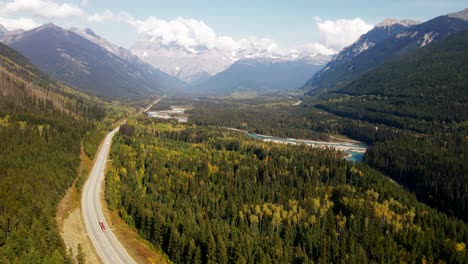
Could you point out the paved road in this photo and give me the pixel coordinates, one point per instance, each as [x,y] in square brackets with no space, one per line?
[155,102]
[106,244]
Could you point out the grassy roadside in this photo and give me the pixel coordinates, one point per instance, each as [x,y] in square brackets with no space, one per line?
[69,217]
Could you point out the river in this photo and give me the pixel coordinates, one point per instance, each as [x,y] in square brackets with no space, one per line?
[354,149]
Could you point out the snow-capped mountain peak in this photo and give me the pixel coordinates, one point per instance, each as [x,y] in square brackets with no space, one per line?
[190,63]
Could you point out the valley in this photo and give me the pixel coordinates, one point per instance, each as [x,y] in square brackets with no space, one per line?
[171,133]
[176,112]
[354,149]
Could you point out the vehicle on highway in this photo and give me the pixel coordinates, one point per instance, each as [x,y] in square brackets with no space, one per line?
[103,227]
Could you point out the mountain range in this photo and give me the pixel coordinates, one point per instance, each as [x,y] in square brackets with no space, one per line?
[84,60]
[198,63]
[424,85]
[386,41]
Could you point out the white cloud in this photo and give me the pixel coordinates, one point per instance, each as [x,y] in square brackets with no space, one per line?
[104,16]
[317,48]
[192,32]
[42,8]
[334,34]
[337,34]
[20,23]
[185,32]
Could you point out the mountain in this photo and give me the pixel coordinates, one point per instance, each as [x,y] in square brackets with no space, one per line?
[387,40]
[88,62]
[262,75]
[195,64]
[416,91]
[188,64]
[423,93]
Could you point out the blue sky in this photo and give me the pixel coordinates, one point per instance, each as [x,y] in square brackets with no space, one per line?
[289,24]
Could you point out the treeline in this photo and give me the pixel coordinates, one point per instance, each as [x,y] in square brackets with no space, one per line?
[418,104]
[213,196]
[428,157]
[268,117]
[392,135]
[39,155]
[435,169]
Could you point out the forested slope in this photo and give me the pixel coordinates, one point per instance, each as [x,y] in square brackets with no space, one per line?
[42,124]
[427,85]
[339,73]
[423,98]
[207,195]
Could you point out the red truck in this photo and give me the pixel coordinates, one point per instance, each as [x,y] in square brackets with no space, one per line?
[103,227]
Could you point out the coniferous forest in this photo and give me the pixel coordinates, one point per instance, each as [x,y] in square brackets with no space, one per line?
[206,195]
[204,191]
[42,126]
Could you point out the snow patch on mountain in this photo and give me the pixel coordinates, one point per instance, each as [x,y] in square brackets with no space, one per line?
[190,63]
[428,38]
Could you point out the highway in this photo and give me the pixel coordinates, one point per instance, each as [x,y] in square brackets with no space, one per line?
[151,105]
[106,244]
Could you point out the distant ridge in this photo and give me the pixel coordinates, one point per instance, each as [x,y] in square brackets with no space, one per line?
[262,75]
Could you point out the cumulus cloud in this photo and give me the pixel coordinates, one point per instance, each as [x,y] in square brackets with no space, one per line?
[316,48]
[186,32]
[101,17]
[334,34]
[192,32]
[20,23]
[41,8]
[337,34]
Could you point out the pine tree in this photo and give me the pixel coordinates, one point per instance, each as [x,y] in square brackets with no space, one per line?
[80,256]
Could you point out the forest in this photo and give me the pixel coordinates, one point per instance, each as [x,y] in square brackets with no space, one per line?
[267,116]
[208,195]
[422,98]
[412,111]
[42,126]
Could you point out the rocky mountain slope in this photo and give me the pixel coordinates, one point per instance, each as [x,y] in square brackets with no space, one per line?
[386,41]
[85,61]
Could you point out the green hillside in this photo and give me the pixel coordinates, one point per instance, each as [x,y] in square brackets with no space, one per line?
[416,92]
[42,124]
[208,195]
[423,97]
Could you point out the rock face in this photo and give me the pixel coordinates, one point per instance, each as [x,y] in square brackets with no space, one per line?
[386,41]
[85,61]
